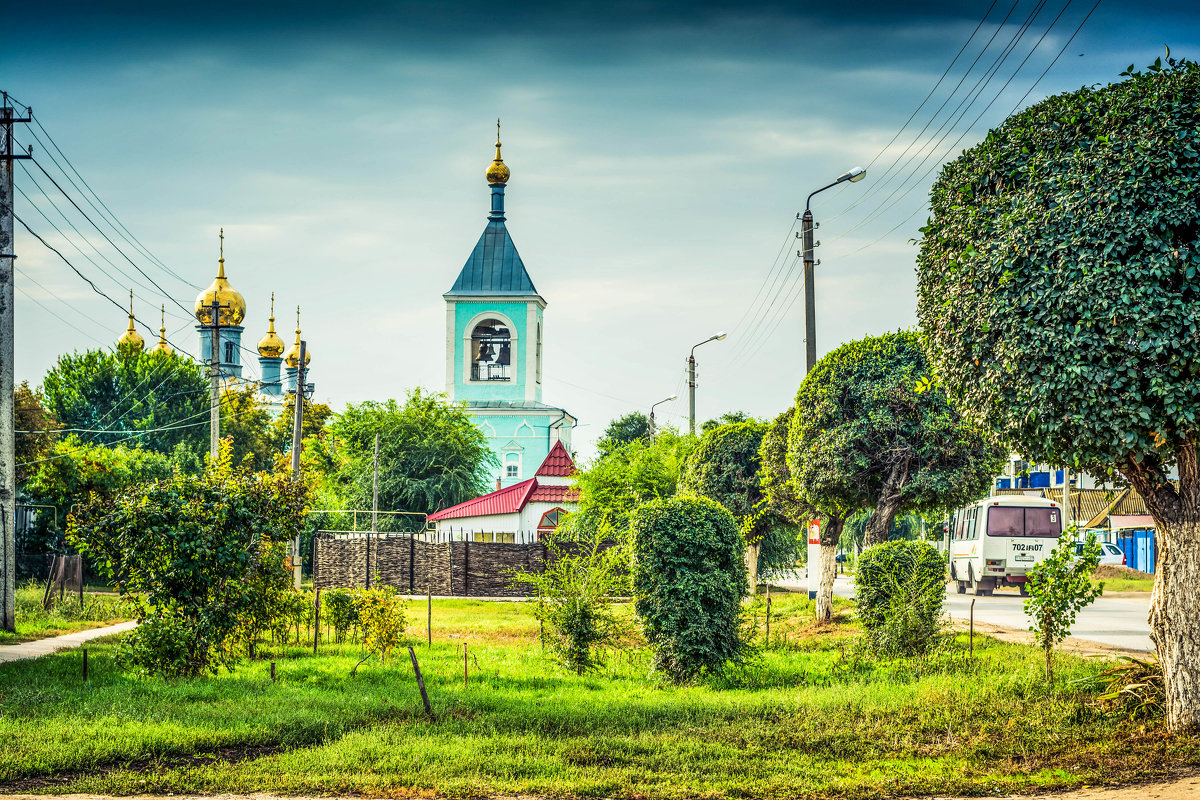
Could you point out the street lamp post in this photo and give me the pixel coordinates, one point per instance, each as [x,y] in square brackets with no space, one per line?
[659,403]
[806,235]
[692,380]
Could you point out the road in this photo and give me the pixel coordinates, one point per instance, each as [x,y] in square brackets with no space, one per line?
[1114,621]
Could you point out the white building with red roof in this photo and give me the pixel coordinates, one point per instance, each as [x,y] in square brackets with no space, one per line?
[521,512]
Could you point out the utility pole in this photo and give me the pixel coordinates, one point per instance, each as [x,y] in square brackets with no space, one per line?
[810,301]
[297,422]
[8,460]
[214,379]
[692,392]
[1068,516]
[374,510]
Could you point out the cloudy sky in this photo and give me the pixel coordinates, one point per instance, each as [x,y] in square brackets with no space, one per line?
[659,151]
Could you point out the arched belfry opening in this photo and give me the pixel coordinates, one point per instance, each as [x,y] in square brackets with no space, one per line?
[491,351]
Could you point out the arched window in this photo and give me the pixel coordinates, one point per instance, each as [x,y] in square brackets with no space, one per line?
[491,351]
[230,352]
[512,465]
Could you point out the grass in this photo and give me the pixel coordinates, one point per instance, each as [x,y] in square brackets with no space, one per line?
[67,616]
[1126,584]
[807,718]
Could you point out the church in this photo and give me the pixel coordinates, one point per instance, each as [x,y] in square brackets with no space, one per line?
[494,330]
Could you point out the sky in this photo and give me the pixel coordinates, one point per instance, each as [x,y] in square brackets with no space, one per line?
[660,153]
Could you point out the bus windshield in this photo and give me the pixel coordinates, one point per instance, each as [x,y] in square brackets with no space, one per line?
[1018,521]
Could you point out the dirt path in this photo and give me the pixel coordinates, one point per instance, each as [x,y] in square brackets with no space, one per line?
[1185,787]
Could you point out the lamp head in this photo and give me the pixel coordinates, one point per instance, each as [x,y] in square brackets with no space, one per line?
[854,176]
[673,397]
[720,335]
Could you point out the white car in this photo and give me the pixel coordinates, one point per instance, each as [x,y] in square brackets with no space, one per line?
[1109,553]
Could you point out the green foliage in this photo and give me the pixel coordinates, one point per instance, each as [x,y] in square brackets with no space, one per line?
[728,418]
[904,527]
[614,485]
[863,436]
[1057,288]
[573,598]
[689,580]
[900,588]
[380,612]
[124,393]
[778,489]
[431,455]
[633,427]
[35,428]
[199,554]
[337,606]
[1059,586]
[246,423]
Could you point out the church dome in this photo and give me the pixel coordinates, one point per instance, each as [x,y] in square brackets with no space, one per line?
[498,172]
[162,345]
[292,359]
[271,346]
[131,339]
[233,309]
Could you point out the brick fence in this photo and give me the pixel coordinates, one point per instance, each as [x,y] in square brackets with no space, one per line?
[412,564]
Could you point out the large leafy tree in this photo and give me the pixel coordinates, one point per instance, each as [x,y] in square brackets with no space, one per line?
[431,455]
[724,466]
[1058,295]
[632,427]
[106,397]
[36,431]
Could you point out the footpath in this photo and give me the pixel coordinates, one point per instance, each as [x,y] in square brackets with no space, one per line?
[42,647]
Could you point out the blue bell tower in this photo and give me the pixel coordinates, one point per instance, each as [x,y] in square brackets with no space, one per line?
[494,324]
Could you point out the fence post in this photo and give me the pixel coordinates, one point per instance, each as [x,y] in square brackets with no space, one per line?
[316,621]
[466,567]
[420,683]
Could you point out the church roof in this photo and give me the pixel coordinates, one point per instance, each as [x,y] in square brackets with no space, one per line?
[557,464]
[508,500]
[495,267]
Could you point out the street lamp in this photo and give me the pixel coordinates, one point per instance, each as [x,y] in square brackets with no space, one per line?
[659,403]
[692,380]
[810,307]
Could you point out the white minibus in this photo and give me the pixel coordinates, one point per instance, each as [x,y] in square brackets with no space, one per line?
[994,541]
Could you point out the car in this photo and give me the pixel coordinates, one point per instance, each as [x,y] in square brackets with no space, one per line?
[1109,553]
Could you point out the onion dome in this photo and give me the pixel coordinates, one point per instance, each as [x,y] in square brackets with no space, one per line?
[233,305]
[131,339]
[271,346]
[293,356]
[498,172]
[162,346]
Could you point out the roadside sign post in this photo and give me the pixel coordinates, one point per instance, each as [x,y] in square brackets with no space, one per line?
[814,558]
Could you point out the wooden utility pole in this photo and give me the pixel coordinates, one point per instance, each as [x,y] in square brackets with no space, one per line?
[8,460]
[297,424]
[374,510]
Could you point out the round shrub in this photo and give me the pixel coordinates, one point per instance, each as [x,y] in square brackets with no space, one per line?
[899,589]
[689,579]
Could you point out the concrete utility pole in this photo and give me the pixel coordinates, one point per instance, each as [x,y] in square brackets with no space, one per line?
[1068,516]
[8,460]
[214,379]
[692,380]
[297,424]
[374,510]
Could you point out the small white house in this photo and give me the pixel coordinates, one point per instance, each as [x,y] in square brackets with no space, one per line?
[517,513]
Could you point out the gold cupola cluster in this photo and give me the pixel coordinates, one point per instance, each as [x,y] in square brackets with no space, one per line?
[131,339]
[498,172]
[270,345]
[232,305]
[292,359]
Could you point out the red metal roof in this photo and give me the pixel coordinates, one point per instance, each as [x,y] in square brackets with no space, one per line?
[554,494]
[508,500]
[558,463]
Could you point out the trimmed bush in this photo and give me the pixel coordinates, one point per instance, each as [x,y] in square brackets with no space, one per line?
[689,578]
[899,590]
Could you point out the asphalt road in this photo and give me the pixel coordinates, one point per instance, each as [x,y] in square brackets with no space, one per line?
[1115,621]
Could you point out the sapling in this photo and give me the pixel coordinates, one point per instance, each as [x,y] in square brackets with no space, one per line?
[1058,588]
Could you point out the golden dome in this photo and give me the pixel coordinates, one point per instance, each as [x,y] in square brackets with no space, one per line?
[131,339]
[292,359]
[271,346]
[162,345]
[233,305]
[498,172]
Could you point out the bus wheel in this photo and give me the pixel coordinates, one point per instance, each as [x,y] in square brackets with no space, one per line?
[1024,587]
[976,584]
[961,586]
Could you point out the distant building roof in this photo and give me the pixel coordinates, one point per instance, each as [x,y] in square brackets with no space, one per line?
[526,404]
[558,463]
[494,267]
[554,494]
[508,500]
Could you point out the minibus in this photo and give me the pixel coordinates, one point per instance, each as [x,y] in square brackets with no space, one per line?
[995,541]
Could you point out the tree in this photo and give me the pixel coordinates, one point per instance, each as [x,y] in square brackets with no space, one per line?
[36,431]
[108,397]
[689,580]
[431,455]
[633,427]
[615,484]
[200,555]
[728,418]
[314,417]
[871,432]
[1059,586]
[1058,300]
[724,466]
[246,423]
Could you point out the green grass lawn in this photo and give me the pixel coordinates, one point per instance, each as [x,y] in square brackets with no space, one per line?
[34,622]
[1127,584]
[804,719]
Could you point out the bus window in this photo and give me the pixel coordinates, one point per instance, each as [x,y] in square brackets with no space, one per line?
[1007,520]
[1043,522]
[958,524]
[971,524]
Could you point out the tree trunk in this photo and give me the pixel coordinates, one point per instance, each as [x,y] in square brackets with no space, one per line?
[752,566]
[1174,609]
[831,532]
[880,523]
